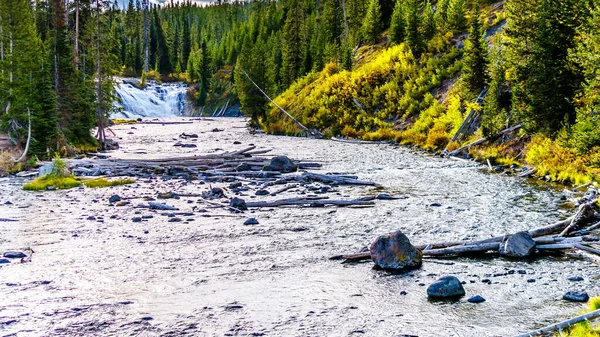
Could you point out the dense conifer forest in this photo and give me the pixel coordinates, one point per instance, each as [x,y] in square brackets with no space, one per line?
[403,70]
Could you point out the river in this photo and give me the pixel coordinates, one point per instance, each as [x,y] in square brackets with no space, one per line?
[213,276]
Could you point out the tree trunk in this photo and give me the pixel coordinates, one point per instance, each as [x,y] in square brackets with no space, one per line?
[76,43]
[146,42]
[99,110]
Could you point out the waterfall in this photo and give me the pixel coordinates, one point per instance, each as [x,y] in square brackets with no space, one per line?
[155,100]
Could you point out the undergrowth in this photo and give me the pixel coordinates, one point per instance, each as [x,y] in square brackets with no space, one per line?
[60,178]
[585,329]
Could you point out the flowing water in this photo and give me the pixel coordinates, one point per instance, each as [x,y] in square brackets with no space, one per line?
[213,276]
[155,100]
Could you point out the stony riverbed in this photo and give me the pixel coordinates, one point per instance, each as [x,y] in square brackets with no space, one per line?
[95,272]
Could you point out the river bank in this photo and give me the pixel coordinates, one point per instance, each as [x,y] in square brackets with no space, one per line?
[96,272]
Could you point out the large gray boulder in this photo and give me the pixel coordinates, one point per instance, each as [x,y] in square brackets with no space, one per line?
[517,245]
[282,164]
[446,287]
[394,251]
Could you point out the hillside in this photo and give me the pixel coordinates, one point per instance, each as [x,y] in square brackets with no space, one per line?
[422,96]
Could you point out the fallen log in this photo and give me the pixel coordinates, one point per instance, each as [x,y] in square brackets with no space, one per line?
[163,123]
[585,211]
[281,190]
[336,179]
[483,140]
[587,249]
[301,202]
[563,324]
[462,249]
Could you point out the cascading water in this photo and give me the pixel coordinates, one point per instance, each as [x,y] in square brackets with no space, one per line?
[155,100]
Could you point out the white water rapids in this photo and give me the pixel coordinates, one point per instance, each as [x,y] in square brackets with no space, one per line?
[155,100]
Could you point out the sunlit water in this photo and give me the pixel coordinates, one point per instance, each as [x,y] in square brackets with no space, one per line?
[164,100]
[214,276]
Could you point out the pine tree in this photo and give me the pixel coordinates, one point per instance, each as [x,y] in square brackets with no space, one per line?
[475,56]
[163,59]
[293,42]
[372,26]
[495,116]
[412,22]
[428,25]
[441,15]
[456,20]
[397,26]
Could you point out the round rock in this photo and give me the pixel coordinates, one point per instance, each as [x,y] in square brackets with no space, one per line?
[238,204]
[517,245]
[446,287]
[394,251]
[282,164]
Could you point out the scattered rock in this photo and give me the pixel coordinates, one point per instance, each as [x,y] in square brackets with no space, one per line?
[384,196]
[4,261]
[188,145]
[576,296]
[517,245]
[476,299]
[91,218]
[262,192]
[436,204]
[237,184]
[217,130]
[188,135]
[122,203]
[282,164]
[175,220]
[394,251]
[8,203]
[238,203]
[136,219]
[114,198]
[446,287]
[575,278]
[251,221]
[237,143]
[243,167]
[14,255]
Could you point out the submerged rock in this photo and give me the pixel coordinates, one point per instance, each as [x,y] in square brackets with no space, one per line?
[394,251]
[476,299]
[282,164]
[446,287]
[517,245]
[576,296]
[4,261]
[251,221]
[262,192]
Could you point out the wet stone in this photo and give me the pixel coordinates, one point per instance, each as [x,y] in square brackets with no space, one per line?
[446,287]
[14,255]
[282,164]
[136,219]
[517,245]
[575,278]
[476,299]
[238,204]
[262,192]
[237,184]
[91,218]
[251,221]
[394,251]
[4,261]
[114,198]
[175,220]
[576,296]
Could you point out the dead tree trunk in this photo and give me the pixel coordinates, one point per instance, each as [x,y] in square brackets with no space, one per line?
[99,110]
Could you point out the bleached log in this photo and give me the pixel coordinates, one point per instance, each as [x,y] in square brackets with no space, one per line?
[336,179]
[301,202]
[563,324]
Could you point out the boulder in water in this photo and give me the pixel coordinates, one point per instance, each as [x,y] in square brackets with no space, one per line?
[576,296]
[394,251]
[517,245]
[282,164]
[14,255]
[446,287]
[238,203]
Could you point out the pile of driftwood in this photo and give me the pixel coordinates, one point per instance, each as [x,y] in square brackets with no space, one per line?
[247,170]
[569,234]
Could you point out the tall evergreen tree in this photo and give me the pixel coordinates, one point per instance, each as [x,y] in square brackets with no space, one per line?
[456,20]
[475,55]
[397,26]
[293,44]
[372,25]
